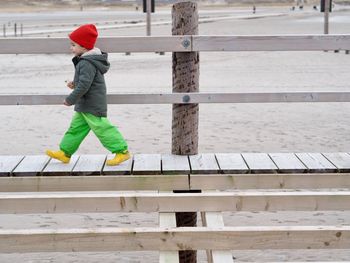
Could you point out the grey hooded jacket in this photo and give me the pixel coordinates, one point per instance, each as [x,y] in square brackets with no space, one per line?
[89,94]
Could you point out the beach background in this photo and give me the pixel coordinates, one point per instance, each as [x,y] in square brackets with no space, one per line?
[274,127]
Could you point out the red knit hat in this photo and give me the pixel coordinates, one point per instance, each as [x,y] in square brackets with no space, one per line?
[85,36]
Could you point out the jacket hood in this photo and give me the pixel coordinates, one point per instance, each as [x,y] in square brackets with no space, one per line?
[98,59]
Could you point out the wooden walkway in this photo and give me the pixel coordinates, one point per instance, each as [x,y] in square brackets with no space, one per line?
[262,182]
[153,164]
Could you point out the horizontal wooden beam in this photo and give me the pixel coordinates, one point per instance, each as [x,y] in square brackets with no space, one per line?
[93,183]
[84,202]
[271,43]
[183,44]
[174,182]
[271,181]
[107,44]
[184,238]
[187,98]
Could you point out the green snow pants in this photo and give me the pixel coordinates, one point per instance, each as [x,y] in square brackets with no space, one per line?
[81,125]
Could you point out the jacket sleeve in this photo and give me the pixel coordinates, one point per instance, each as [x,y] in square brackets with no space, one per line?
[86,74]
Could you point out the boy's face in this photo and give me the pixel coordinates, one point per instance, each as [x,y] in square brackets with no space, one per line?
[76,49]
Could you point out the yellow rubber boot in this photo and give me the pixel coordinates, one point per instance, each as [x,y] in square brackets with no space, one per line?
[59,155]
[118,159]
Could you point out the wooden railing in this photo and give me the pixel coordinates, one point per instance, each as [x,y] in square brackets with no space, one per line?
[185,44]
[213,236]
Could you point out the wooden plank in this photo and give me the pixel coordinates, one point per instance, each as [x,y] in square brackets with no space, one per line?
[203,163]
[121,169]
[168,220]
[189,238]
[188,98]
[58,45]
[215,219]
[147,164]
[55,167]
[271,181]
[316,163]
[93,183]
[287,163]
[231,163]
[175,164]
[259,163]
[89,164]
[31,165]
[175,182]
[340,160]
[177,44]
[76,202]
[9,163]
[271,43]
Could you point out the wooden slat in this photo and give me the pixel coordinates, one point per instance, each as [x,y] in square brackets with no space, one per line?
[340,160]
[55,167]
[271,43]
[215,219]
[75,202]
[188,98]
[185,238]
[176,44]
[287,163]
[58,45]
[203,163]
[31,165]
[231,163]
[271,181]
[175,164]
[93,183]
[147,164]
[89,164]
[121,169]
[259,163]
[175,182]
[316,163]
[9,163]
[168,220]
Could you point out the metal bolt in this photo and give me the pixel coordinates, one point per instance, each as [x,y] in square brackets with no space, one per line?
[186,43]
[186,98]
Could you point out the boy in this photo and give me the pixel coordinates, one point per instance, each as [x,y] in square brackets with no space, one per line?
[89,98]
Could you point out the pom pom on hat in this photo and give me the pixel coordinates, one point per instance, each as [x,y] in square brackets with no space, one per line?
[85,36]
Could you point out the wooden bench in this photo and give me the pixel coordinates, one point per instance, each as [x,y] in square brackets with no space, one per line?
[260,182]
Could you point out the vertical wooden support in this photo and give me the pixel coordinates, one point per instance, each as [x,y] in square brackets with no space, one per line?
[326,17]
[185,117]
[168,220]
[148,17]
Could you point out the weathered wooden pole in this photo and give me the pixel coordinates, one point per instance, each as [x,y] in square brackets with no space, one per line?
[326,17]
[185,117]
[148,17]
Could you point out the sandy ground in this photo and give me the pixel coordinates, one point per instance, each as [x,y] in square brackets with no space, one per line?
[294,127]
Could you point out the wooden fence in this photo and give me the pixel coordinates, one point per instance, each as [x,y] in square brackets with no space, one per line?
[213,236]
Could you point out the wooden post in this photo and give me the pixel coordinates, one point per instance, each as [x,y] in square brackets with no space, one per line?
[185,117]
[148,19]
[4,30]
[326,17]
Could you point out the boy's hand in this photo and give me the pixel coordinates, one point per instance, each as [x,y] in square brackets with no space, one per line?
[70,84]
[66,103]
